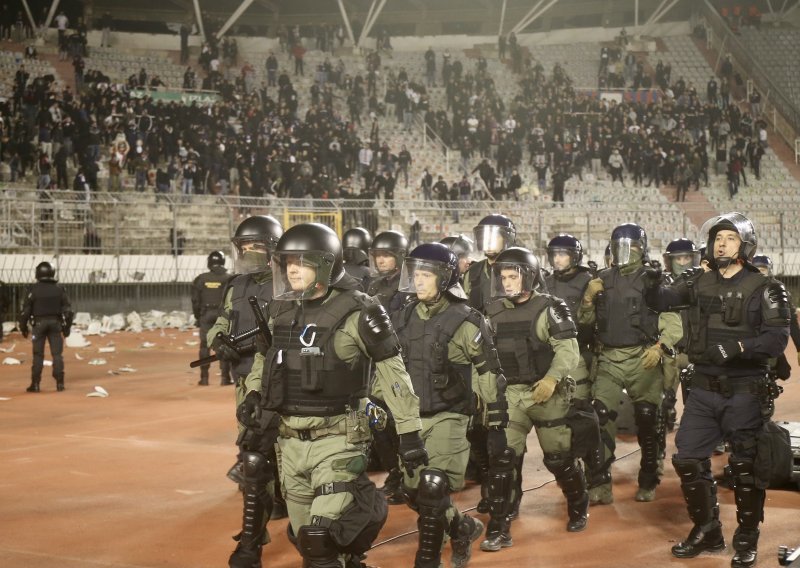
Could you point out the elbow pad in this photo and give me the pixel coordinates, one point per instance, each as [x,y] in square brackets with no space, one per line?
[775,308]
[559,321]
[376,331]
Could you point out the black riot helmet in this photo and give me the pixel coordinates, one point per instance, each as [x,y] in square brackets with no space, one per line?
[607,256]
[216,258]
[763,263]
[495,233]
[459,244]
[628,244]
[680,255]
[515,271]
[255,238]
[565,244]
[45,272]
[355,244]
[731,222]
[306,262]
[393,243]
[434,258]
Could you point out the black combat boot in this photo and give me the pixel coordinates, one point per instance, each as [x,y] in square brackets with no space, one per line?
[700,493]
[464,530]
[203,381]
[257,506]
[749,512]
[34,386]
[60,383]
[572,481]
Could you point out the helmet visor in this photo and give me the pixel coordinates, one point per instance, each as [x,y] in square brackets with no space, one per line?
[491,240]
[561,258]
[511,280]
[679,262]
[425,278]
[250,256]
[383,262]
[626,251]
[300,275]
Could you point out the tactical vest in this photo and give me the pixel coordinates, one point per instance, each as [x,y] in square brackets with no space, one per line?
[385,289]
[212,287]
[523,356]
[479,285]
[359,272]
[719,314]
[571,290]
[303,376]
[623,318]
[243,286]
[46,300]
[440,384]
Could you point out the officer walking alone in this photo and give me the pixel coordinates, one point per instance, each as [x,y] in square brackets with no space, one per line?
[48,307]
[738,320]
[207,295]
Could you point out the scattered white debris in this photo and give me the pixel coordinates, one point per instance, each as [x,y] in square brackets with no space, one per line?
[147,345]
[196,333]
[11,361]
[191,343]
[127,369]
[8,349]
[107,349]
[188,492]
[98,392]
[8,327]
[113,372]
[4,398]
[134,322]
[47,363]
[95,328]
[82,319]
[98,362]
[78,357]
[76,339]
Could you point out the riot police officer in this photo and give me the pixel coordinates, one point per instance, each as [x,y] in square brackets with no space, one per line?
[538,349]
[447,351]
[386,255]
[632,340]
[679,256]
[48,306]
[356,243]
[568,281]
[207,296]
[314,377]
[738,319]
[493,234]
[254,240]
[463,246]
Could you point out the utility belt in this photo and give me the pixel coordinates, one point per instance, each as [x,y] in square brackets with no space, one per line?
[311,434]
[41,319]
[727,386]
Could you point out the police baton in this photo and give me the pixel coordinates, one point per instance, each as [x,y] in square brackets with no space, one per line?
[231,341]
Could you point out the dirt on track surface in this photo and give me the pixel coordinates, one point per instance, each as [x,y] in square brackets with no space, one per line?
[137,479]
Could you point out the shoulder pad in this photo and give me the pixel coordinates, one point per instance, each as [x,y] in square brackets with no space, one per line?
[559,320]
[775,304]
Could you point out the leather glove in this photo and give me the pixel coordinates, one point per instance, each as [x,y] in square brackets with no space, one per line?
[23,329]
[496,442]
[592,289]
[412,452]
[651,356]
[721,353]
[651,277]
[224,351]
[544,388]
[249,412]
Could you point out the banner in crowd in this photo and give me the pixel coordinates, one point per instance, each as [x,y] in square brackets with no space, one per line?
[183,97]
[645,96]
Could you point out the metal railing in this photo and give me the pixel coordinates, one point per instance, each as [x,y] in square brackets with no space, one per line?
[430,136]
[783,113]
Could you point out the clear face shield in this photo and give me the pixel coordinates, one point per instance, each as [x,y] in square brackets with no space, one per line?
[626,251]
[384,262]
[250,256]
[679,262]
[423,278]
[511,280]
[491,240]
[301,275]
[560,259]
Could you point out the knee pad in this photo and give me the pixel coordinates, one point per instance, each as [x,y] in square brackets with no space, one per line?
[315,543]
[557,464]
[691,470]
[433,490]
[256,466]
[646,416]
[603,414]
[743,471]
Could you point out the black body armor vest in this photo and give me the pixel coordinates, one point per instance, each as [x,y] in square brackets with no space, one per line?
[311,380]
[46,300]
[623,317]
[523,356]
[441,385]
[571,290]
[243,286]
[212,289]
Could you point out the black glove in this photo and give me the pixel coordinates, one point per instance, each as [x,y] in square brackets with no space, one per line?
[249,412]
[224,351]
[651,278]
[412,452]
[721,353]
[23,329]
[496,442]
